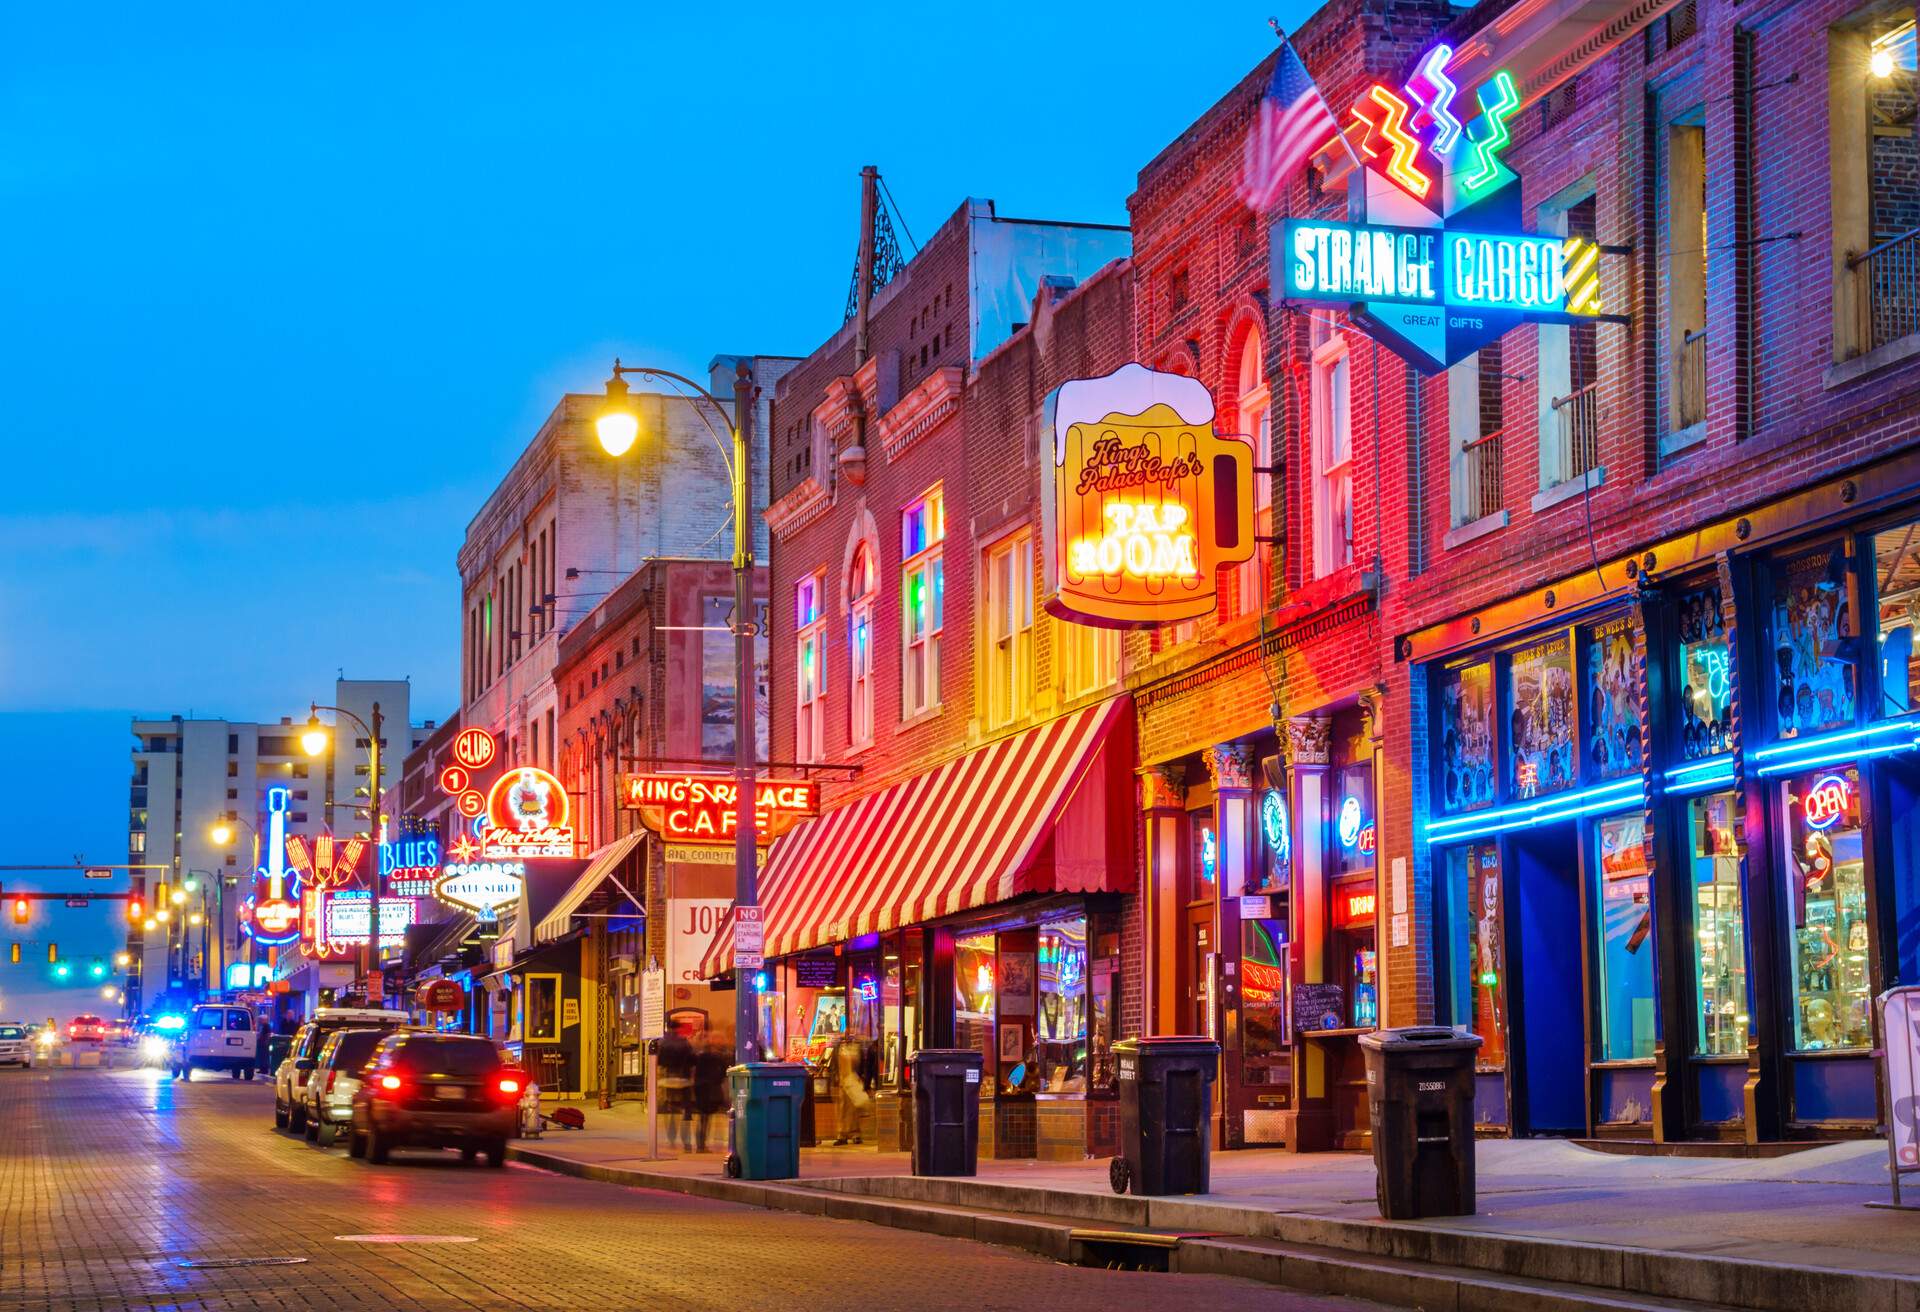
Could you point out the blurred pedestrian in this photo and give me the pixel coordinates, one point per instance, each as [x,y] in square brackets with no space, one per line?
[710,1063]
[675,1065]
[850,1098]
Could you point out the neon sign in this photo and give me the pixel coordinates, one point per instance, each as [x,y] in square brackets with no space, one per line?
[410,865]
[475,749]
[1144,501]
[1209,855]
[482,887]
[1355,908]
[271,917]
[249,974]
[1826,802]
[527,812]
[1437,263]
[1349,822]
[1273,824]
[347,913]
[703,808]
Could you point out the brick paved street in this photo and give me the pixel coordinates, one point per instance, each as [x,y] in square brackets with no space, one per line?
[109,1180]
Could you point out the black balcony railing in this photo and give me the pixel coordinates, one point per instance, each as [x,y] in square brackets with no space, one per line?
[1481,458]
[1578,418]
[1888,284]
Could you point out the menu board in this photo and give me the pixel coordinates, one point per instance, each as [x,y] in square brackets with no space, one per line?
[1319,1007]
[816,973]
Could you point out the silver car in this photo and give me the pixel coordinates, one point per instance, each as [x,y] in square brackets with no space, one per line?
[16,1045]
[336,1077]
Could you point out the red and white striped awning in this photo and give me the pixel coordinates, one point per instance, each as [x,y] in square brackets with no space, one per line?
[965,834]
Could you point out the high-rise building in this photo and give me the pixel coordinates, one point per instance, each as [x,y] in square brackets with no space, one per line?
[191,775]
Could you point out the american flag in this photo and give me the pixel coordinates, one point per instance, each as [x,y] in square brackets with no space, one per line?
[1293,123]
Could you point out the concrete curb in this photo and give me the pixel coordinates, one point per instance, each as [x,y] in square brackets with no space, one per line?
[1441,1270]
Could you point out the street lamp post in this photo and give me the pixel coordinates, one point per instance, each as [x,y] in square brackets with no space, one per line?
[618,427]
[314,740]
[223,834]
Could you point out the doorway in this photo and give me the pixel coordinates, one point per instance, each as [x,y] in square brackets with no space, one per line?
[1547,985]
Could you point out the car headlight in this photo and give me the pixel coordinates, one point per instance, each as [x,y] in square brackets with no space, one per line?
[153,1047]
[47,1040]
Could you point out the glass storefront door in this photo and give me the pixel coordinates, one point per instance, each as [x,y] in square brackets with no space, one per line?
[1622,926]
[1723,999]
[1826,899]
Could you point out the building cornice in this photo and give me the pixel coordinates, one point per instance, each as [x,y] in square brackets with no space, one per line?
[920,411]
[805,502]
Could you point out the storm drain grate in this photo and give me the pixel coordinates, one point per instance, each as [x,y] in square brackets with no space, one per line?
[1121,1250]
[228,1263]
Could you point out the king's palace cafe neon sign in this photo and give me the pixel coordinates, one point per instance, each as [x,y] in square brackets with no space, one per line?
[697,808]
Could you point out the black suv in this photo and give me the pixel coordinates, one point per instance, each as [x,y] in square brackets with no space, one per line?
[437,1091]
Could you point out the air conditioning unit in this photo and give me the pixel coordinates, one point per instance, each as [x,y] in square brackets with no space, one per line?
[623,963]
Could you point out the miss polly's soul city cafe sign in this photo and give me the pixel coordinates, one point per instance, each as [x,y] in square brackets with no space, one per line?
[703,808]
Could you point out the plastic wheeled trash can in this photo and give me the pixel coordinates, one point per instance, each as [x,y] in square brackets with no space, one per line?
[766,1097]
[946,1111]
[1166,1115]
[1420,1106]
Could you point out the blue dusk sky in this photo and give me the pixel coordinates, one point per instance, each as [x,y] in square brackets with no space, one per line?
[286,290]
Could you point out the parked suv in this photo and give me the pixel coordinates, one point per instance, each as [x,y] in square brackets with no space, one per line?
[335,1077]
[217,1038]
[16,1048]
[437,1091]
[290,1081]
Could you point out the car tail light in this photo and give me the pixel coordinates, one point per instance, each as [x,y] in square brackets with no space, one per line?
[331,1077]
[509,1085]
[390,1084]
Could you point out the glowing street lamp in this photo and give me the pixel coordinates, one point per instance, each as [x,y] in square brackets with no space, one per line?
[222,834]
[123,959]
[618,424]
[313,739]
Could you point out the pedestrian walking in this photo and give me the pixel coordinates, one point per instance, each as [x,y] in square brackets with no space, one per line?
[850,1097]
[710,1063]
[675,1065]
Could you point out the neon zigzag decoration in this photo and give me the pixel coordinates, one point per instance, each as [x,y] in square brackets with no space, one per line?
[1386,119]
[1433,91]
[1489,134]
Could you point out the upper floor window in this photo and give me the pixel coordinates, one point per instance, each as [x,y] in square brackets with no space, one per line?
[1255,420]
[1331,439]
[1683,251]
[1568,390]
[1090,658]
[1008,599]
[861,585]
[1876,220]
[1476,424]
[810,661]
[923,530]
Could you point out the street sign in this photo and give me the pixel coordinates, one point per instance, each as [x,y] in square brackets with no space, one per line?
[99,872]
[749,941]
[80,902]
[653,1003]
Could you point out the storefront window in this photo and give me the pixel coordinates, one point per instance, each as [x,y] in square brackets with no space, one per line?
[899,1002]
[1101,1003]
[1624,954]
[1706,674]
[1813,655]
[863,998]
[1540,717]
[773,1013]
[1263,998]
[543,1009]
[1355,833]
[1466,738]
[1827,897]
[1352,942]
[973,995]
[1720,945]
[1896,573]
[1476,955]
[1061,1025]
[816,1008]
[1610,716]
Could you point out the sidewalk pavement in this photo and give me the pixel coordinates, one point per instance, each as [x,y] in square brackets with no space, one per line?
[1806,1210]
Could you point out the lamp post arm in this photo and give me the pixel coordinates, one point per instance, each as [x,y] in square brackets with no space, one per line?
[733,424]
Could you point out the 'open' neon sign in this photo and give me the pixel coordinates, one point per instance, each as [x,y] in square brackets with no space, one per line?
[1826,801]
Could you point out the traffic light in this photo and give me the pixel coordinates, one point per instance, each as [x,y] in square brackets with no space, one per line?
[135,912]
[53,952]
[16,954]
[62,970]
[159,895]
[20,913]
[98,969]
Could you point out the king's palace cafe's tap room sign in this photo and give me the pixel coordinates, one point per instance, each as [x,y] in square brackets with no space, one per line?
[1438,263]
[1143,501]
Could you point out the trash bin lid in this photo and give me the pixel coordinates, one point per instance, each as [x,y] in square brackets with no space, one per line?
[764,1070]
[947,1057]
[1170,1045]
[1426,1038]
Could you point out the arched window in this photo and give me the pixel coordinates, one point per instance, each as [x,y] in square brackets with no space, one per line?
[862,581]
[1256,421]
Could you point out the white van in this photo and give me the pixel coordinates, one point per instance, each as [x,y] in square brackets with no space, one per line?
[218,1037]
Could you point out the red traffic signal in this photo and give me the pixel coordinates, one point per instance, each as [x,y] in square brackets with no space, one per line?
[19,911]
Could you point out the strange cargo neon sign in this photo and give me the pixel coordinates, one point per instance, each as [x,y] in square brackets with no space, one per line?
[1438,264]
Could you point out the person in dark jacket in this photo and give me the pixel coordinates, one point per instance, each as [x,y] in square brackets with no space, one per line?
[675,1064]
[710,1062]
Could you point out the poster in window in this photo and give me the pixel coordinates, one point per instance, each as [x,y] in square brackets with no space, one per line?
[717,682]
[1611,717]
[1706,675]
[1813,659]
[1016,983]
[1466,737]
[1540,681]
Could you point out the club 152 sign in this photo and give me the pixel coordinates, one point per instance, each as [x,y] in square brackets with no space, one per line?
[1144,501]
[701,808]
[1440,265]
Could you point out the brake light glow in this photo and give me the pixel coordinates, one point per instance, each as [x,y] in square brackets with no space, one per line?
[331,1077]
[389,1081]
[509,1086]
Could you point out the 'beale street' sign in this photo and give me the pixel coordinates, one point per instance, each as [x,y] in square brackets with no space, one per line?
[702,808]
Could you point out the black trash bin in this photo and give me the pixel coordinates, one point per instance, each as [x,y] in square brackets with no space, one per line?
[1166,1115]
[946,1111]
[1420,1106]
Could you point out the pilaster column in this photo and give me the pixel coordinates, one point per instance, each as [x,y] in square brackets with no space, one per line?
[1163,800]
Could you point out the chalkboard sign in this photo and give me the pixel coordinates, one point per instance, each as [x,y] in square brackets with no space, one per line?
[1319,1007]
[815,972]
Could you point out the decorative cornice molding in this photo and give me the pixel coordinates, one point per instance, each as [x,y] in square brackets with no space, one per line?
[802,504]
[920,411]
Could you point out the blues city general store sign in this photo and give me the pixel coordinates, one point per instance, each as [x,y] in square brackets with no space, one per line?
[1439,264]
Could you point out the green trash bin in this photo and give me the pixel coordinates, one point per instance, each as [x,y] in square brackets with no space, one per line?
[766,1119]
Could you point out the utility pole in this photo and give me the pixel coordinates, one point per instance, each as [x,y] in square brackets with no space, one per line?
[863,271]
[746,856]
[371,962]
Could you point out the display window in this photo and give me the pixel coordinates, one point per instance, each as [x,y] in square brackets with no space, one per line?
[1264,991]
[816,1008]
[1465,726]
[1705,690]
[1476,952]
[900,972]
[1722,990]
[973,995]
[1352,904]
[1060,1024]
[1623,950]
[1355,832]
[1610,713]
[1102,1011]
[1540,717]
[864,1007]
[1814,679]
[1896,573]
[1825,869]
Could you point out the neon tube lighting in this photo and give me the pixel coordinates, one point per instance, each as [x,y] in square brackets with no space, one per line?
[1910,725]
[1565,806]
[1792,764]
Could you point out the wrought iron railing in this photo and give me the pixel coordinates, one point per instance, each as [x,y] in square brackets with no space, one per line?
[1690,380]
[1481,465]
[1578,415]
[1887,283]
